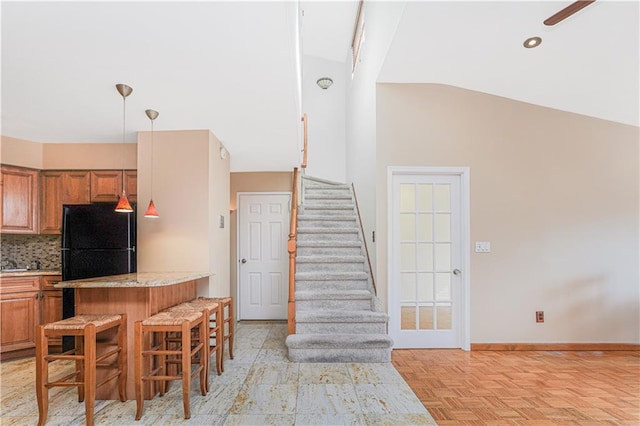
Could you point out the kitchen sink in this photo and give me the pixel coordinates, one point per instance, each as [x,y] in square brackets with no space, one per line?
[15,270]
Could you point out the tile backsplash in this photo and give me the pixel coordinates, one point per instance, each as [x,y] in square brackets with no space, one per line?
[26,249]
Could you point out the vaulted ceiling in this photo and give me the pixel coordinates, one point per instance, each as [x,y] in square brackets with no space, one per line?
[232,66]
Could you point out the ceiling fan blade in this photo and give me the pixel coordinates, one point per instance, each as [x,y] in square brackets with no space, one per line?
[567,11]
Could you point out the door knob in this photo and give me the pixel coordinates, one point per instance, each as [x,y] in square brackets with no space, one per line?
[244,261]
[457,271]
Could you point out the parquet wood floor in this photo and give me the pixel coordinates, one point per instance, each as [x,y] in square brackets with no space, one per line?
[524,387]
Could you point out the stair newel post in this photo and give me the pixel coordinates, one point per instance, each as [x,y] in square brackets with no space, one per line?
[291,248]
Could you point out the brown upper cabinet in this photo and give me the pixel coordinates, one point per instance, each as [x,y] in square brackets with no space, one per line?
[19,207]
[58,188]
[106,185]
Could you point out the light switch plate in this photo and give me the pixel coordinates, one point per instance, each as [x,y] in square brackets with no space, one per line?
[221,221]
[483,247]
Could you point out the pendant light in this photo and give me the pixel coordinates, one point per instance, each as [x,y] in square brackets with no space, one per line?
[123,205]
[151,210]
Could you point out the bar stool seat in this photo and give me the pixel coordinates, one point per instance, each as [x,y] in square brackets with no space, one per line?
[86,356]
[159,325]
[213,311]
[227,325]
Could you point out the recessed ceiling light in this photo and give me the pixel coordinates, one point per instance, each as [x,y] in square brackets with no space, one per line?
[532,42]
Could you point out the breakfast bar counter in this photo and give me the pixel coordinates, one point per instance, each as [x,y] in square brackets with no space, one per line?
[139,295]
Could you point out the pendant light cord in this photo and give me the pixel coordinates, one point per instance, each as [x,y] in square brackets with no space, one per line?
[152,142]
[124,116]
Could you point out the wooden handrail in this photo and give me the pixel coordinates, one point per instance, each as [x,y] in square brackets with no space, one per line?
[291,248]
[305,124]
[364,240]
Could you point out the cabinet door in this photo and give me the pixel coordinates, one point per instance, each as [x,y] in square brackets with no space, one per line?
[19,314]
[19,207]
[106,185]
[50,202]
[76,187]
[51,310]
[58,188]
[131,185]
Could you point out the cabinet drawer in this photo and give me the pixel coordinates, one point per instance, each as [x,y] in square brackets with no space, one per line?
[48,282]
[18,284]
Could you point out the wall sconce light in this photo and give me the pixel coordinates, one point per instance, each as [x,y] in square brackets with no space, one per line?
[324,82]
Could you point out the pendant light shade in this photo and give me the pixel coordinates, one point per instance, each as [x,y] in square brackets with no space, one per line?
[123,205]
[151,212]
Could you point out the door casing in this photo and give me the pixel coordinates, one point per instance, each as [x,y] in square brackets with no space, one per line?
[465,293]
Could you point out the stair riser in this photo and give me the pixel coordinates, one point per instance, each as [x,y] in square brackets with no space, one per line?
[332,285]
[347,236]
[327,191]
[341,328]
[334,304]
[329,267]
[340,355]
[337,251]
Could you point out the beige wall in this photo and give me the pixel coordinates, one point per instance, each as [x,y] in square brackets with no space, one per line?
[20,152]
[251,182]
[190,191]
[68,156]
[555,193]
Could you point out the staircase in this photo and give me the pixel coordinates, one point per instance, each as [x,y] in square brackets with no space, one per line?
[338,316]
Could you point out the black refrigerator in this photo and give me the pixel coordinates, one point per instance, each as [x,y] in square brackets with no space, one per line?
[96,241]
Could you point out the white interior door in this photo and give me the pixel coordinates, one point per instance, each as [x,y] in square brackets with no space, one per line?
[263,268]
[427,265]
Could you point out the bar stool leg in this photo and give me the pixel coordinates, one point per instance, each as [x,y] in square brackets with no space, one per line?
[231,329]
[79,350]
[122,357]
[138,368]
[42,375]
[89,372]
[186,369]
[204,339]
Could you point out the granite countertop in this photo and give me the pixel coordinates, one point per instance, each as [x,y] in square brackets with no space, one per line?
[30,273]
[140,279]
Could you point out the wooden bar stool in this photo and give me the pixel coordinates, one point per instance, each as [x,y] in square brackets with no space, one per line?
[159,325]
[213,311]
[86,356]
[228,323]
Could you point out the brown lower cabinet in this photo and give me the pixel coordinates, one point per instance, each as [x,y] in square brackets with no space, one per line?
[25,303]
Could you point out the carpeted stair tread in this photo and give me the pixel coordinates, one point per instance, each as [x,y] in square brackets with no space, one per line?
[314,230]
[329,259]
[351,218]
[329,244]
[341,316]
[332,294]
[331,276]
[338,341]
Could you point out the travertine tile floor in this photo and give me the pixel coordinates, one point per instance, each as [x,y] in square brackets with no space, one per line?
[259,387]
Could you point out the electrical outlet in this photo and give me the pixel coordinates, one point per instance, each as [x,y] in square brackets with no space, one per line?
[539,316]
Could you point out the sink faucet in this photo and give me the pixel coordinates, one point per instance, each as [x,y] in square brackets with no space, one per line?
[38,264]
[11,264]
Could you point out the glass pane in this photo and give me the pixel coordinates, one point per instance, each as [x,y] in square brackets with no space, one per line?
[424,195]
[425,227]
[408,287]
[442,198]
[425,287]
[443,227]
[407,257]
[408,317]
[443,257]
[407,227]
[426,318]
[425,257]
[443,286]
[407,197]
[444,317]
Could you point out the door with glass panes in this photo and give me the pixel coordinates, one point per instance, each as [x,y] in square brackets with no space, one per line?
[426,262]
